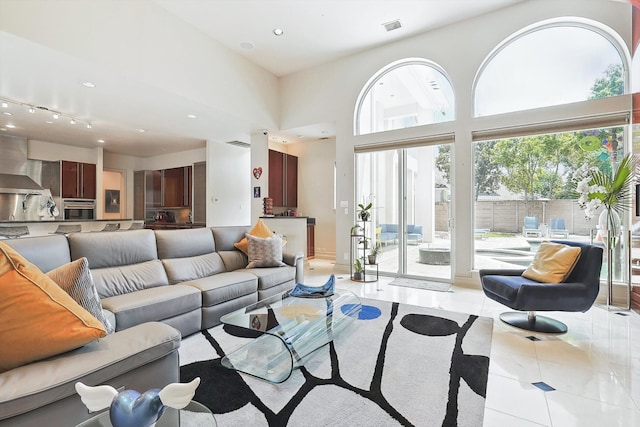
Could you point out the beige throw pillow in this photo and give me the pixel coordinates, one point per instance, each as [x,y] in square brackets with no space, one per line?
[265,252]
[552,263]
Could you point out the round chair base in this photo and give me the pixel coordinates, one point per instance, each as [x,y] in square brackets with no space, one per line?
[536,324]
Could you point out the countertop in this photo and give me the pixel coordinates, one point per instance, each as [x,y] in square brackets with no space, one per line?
[310,220]
[70,221]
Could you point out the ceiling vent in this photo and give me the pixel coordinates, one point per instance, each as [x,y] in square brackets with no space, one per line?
[392,25]
[239,144]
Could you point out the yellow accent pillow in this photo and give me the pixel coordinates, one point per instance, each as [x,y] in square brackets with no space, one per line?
[259,230]
[552,263]
[38,319]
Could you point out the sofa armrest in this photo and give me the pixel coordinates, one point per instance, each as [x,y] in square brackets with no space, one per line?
[501,272]
[295,260]
[141,357]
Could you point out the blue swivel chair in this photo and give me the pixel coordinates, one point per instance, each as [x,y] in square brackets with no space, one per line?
[577,293]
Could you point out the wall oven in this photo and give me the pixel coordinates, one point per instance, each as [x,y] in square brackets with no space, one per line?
[78,209]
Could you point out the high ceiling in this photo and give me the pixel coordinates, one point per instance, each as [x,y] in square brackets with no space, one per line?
[314,32]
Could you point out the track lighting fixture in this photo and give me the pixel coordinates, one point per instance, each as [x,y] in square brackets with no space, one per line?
[7,103]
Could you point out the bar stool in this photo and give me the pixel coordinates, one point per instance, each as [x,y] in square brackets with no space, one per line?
[68,228]
[112,226]
[14,232]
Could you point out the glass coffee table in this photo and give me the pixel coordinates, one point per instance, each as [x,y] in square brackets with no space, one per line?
[290,329]
[193,415]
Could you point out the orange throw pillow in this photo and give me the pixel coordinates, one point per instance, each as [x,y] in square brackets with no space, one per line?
[38,319]
[259,230]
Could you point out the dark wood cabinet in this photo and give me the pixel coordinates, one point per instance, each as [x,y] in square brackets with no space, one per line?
[311,241]
[78,180]
[283,179]
[199,207]
[176,187]
[167,188]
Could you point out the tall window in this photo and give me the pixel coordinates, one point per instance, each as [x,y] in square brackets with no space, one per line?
[550,65]
[405,94]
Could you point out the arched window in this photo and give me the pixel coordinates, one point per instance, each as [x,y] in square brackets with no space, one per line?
[407,93]
[551,64]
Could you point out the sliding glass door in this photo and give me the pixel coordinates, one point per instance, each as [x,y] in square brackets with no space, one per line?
[410,191]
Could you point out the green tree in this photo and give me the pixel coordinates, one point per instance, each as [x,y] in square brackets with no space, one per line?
[443,161]
[487,169]
[611,84]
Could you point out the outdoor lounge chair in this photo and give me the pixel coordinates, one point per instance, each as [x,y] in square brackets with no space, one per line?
[558,228]
[531,228]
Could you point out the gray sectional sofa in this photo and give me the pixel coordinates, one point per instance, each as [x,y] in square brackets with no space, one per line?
[155,287]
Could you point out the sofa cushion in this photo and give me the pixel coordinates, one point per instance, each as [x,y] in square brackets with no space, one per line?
[38,319]
[274,276]
[194,267]
[46,252]
[154,304]
[258,230]
[114,249]
[234,260]
[76,280]
[124,279]
[227,237]
[224,287]
[184,243]
[265,252]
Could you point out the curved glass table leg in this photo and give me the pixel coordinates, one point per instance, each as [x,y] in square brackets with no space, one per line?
[296,328]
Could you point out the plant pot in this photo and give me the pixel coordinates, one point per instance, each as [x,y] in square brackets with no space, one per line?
[372,259]
[357,275]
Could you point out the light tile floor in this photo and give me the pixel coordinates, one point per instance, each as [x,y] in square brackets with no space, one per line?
[594,368]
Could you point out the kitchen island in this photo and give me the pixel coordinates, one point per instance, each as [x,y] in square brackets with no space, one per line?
[17,229]
[296,230]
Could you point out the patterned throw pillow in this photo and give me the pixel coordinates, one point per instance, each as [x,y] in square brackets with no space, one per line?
[265,252]
[76,280]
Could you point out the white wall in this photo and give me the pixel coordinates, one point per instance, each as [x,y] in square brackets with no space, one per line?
[315,190]
[228,184]
[329,93]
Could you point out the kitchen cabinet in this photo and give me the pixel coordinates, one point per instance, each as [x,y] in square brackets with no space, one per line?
[176,187]
[199,208]
[283,179]
[311,240]
[78,180]
[166,188]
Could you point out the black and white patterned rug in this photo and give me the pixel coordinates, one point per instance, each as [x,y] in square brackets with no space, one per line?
[397,365]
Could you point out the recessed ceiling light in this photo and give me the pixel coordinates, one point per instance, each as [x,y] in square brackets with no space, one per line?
[101,141]
[278,32]
[142,130]
[393,25]
[6,113]
[191,116]
[49,121]
[10,126]
[5,105]
[88,125]
[88,84]
[247,45]
[56,116]
[32,110]
[72,122]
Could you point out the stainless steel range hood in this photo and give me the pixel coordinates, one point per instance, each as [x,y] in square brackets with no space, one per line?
[15,168]
[18,184]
